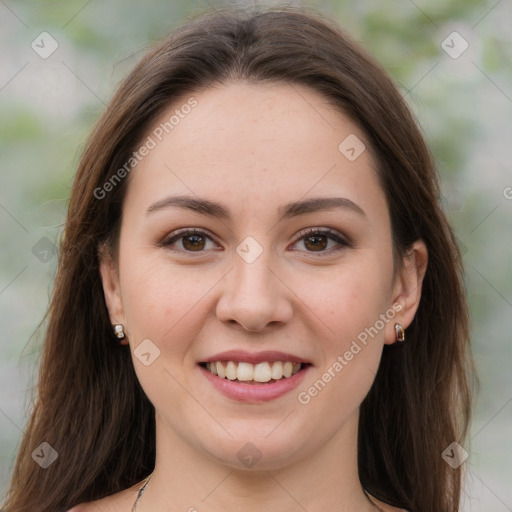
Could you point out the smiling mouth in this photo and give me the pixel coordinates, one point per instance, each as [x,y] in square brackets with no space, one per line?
[248,373]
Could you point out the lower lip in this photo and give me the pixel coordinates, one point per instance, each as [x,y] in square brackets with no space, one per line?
[255,392]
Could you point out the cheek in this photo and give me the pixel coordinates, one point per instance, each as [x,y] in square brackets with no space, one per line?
[357,311]
[350,299]
[165,306]
[161,302]
[350,305]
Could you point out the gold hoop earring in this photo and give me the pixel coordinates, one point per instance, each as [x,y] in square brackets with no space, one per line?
[400,333]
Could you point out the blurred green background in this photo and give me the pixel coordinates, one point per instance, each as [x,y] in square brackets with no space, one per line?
[49,105]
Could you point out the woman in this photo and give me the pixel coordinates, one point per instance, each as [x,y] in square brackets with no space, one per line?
[259,299]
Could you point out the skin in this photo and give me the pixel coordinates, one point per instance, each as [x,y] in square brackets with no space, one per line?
[253,148]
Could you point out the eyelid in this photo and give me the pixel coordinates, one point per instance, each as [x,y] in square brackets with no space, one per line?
[322,230]
[182,231]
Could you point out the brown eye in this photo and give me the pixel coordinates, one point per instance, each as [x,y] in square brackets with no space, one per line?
[322,241]
[316,242]
[188,240]
[193,242]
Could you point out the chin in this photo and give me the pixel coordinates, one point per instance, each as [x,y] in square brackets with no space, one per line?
[257,452]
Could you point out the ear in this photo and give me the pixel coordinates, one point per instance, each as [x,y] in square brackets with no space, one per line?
[111,286]
[407,288]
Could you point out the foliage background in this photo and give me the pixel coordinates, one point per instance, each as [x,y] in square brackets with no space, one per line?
[48,106]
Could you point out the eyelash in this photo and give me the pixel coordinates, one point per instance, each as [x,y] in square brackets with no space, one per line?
[330,233]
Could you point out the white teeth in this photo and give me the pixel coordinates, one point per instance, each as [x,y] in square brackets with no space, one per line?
[231,370]
[260,372]
[221,372]
[245,371]
[277,370]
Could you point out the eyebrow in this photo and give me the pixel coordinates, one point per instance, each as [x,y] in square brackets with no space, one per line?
[290,210]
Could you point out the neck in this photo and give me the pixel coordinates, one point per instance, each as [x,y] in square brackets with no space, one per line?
[186,479]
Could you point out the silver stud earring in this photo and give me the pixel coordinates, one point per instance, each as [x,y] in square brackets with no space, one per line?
[119,331]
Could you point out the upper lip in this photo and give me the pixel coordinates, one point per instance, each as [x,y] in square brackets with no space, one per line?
[254,357]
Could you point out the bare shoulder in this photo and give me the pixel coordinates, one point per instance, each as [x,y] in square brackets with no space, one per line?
[118,502]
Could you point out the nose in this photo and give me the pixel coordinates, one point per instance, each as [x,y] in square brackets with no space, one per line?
[254,296]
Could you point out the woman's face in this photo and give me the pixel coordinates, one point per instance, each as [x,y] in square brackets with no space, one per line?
[290,252]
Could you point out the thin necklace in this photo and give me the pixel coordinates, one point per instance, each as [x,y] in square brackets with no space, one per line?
[141,492]
[143,488]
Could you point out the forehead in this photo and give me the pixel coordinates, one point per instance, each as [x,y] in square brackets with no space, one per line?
[244,142]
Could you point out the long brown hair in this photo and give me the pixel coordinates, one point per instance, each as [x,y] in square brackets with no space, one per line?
[90,407]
